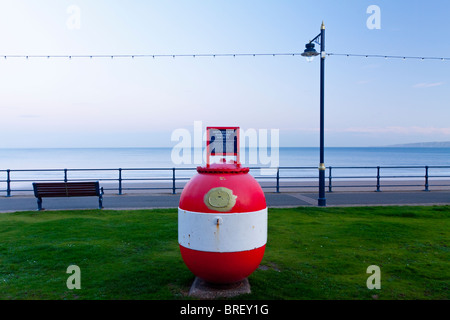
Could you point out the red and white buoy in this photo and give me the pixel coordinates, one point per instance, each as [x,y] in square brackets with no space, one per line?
[222,223]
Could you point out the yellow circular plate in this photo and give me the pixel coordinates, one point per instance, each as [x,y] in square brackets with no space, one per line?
[220,199]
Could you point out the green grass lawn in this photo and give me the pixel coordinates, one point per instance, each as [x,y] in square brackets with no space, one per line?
[312,253]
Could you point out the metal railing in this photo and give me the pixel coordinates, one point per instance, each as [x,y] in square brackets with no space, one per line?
[412,176]
[373,178]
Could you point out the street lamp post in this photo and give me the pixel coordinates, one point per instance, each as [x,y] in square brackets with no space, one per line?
[309,54]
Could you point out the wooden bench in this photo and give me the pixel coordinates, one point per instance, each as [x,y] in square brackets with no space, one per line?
[67,189]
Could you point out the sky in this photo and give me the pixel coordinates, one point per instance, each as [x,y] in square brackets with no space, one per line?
[141,102]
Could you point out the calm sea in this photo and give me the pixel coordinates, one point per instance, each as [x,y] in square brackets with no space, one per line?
[162,157]
[114,158]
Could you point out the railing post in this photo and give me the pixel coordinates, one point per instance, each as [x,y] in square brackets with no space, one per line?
[378,179]
[65,175]
[278,180]
[173,181]
[426,179]
[8,183]
[329,180]
[120,181]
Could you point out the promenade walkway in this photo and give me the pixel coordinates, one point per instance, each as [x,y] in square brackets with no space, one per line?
[151,200]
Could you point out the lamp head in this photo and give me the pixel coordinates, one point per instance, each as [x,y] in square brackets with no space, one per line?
[310,52]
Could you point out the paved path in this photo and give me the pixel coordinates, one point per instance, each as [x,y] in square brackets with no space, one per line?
[140,201]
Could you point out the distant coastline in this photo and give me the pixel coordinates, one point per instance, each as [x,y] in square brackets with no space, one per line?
[442,144]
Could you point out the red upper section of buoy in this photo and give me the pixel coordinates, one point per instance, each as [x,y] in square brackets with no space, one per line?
[249,194]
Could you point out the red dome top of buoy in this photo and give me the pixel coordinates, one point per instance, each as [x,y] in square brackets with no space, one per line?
[249,194]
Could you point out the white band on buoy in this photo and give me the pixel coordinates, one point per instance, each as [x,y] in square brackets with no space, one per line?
[222,232]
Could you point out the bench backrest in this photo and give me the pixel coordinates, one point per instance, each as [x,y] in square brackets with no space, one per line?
[66,189]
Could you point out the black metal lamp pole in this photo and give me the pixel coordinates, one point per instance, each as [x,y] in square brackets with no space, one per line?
[309,53]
